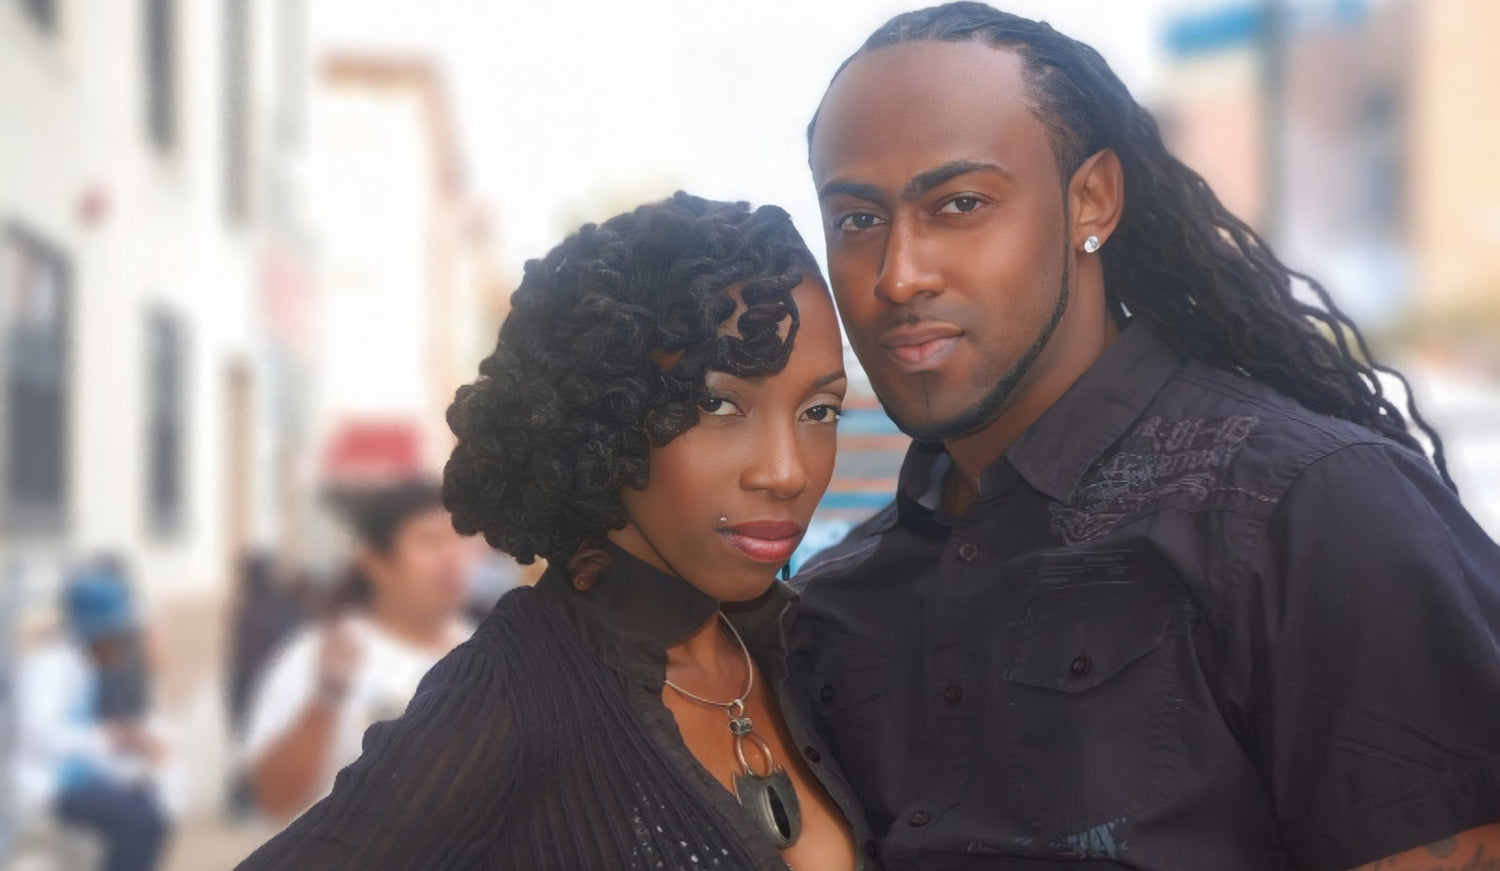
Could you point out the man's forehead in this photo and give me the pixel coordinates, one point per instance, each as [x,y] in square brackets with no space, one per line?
[922,102]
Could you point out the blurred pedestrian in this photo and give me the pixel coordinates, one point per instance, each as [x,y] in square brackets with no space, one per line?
[267,613]
[89,751]
[399,612]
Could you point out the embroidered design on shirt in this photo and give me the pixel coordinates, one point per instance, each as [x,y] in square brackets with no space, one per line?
[1099,842]
[1159,458]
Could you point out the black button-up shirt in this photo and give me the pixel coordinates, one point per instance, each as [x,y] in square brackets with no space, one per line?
[1187,624]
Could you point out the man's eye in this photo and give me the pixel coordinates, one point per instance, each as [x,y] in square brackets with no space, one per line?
[716,405]
[857,221]
[960,205]
[824,413]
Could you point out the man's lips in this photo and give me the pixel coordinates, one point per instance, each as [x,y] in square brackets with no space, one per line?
[767,541]
[920,346]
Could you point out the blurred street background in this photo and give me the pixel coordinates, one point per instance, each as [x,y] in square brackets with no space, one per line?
[249,248]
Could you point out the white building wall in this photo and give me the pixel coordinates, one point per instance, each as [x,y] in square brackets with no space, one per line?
[72,120]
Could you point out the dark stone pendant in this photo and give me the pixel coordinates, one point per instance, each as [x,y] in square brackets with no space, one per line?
[772,803]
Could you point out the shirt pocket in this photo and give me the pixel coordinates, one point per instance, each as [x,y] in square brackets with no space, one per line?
[1092,721]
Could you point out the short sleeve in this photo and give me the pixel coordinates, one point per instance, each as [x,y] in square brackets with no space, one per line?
[1380,720]
[283,692]
[431,789]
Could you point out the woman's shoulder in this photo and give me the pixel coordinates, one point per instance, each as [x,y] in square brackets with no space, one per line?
[518,636]
[518,614]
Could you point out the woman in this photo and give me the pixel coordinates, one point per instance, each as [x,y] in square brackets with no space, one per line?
[403,612]
[658,422]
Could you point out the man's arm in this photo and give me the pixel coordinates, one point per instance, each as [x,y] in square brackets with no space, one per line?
[1474,850]
[285,777]
[287,771]
[1377,712]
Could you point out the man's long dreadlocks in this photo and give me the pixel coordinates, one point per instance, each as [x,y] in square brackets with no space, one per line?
[1208,282]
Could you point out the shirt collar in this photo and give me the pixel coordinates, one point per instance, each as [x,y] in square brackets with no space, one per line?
[1056,451]
[641,606]
[637,601]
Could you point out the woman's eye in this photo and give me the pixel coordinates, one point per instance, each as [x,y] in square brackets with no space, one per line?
[960,205]
[857,221]
[717,405]
[824,413]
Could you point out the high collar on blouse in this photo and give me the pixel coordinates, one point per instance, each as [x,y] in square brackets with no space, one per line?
[635,611]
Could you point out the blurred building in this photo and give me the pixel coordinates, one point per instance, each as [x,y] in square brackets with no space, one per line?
[412,298]
[153,277]
[1360,135]
[155,317]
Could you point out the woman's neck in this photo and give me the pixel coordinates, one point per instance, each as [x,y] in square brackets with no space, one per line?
[708,662]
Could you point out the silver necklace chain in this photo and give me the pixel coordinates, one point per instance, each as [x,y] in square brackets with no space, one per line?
[749,677]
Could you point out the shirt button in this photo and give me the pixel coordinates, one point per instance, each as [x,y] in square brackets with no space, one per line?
[953,694]
[812,754]
[967,551]
[921,818]
[827,693]
[1080,666]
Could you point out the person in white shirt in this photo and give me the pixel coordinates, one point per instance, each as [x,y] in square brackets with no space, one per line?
[90,752]
[337,678]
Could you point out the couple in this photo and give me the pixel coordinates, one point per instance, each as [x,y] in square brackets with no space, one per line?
[1167,583]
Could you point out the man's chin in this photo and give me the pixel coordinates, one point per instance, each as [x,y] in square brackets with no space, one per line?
[937,427]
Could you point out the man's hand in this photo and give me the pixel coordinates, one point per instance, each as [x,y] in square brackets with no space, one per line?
[137,740]
[338,661]
[1474,850]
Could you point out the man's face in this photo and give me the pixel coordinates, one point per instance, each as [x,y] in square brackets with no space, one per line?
[946,226]
[426,568]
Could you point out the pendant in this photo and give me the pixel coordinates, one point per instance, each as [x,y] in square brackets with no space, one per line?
[773,805]
[770,798]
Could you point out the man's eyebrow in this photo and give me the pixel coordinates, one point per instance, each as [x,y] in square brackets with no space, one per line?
[926,181]
[919,185]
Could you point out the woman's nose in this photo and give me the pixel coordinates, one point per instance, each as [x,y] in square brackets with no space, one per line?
[778,467]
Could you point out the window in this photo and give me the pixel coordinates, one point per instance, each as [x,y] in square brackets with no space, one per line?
[161,72]
[43,13]
[34,315]
[165,418]
[236,110]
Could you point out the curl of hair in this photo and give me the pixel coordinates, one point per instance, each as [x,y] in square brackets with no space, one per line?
[1206,281]
[603,356]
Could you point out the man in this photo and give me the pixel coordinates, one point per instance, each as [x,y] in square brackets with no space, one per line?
[361,666]
[89,754]
[1167,583]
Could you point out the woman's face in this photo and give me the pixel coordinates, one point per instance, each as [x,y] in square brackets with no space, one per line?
[729,499]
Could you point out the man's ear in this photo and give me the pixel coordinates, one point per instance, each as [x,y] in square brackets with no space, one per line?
[1096,198]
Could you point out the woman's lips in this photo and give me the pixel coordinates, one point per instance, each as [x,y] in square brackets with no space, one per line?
[920,347]
[766,541]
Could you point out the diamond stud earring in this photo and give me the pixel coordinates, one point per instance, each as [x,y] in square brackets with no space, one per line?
[1091,244]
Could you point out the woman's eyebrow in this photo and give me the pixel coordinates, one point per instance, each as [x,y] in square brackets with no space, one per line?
[830,378]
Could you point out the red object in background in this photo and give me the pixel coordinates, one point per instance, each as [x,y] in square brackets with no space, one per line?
[287,296]
[365,452]
[93,205]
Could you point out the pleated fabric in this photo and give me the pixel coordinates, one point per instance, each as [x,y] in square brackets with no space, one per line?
[521,750]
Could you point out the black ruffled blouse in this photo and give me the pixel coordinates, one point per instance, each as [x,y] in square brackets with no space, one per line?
[542,743]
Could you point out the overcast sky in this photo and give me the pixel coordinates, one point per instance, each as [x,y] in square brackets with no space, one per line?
[575,110]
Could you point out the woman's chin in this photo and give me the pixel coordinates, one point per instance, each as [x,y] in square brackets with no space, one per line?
[739,586]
